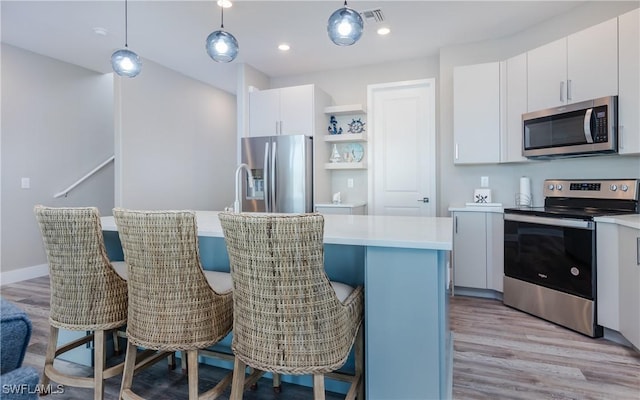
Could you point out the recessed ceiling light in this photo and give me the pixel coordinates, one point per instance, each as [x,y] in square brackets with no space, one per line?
[100,31]
[383,31]
[225,3]
[284,47]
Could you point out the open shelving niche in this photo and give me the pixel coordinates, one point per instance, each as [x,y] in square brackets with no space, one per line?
[345,111]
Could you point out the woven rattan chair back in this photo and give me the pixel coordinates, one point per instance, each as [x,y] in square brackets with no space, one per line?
[287,318]
[171,305]
[86,292]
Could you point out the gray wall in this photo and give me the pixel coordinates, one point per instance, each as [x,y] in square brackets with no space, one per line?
[57,125]
[174,141]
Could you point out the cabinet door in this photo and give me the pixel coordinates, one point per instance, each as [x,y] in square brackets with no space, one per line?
[296,110]
[629,284]
[629,90]
[546,75]
[592,61]
[495,251]
[264,112]
[476,113]
[607,277]
[516,105]
[470,250]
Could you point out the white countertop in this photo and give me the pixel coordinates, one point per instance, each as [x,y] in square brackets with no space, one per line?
[478,207]
[341,205]
[358,230]
[629,220]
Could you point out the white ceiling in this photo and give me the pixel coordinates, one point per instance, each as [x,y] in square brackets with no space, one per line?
[173,33]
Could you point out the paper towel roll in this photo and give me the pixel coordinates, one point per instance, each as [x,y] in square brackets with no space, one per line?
[523,198]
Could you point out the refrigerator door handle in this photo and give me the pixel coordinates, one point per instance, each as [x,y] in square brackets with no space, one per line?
[267,183]
[274,205]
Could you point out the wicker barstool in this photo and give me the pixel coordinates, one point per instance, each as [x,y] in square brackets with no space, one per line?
[288,317]
[171,305]
[86,292]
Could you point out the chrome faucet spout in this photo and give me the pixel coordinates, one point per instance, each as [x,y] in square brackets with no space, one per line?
[237,204]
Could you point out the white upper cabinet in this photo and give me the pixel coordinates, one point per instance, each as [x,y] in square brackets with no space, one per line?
[547,74]
[629,91]
[576,68]
[283,111]
[514,104]
[476,113]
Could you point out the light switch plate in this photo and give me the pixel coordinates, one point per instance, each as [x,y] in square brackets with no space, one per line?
[25,183]
[484,181]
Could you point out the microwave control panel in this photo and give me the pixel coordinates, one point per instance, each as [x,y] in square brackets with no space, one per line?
[601,129]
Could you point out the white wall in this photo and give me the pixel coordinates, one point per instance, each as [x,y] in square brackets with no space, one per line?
[57,125]
[173,141]
[349,86]
[458,182]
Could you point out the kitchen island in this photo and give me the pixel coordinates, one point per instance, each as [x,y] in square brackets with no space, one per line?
[403,264]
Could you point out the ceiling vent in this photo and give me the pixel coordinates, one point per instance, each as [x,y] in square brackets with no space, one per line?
[373,16]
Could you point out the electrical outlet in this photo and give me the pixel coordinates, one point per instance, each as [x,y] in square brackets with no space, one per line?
[350,182]
[25,183]
[484,181]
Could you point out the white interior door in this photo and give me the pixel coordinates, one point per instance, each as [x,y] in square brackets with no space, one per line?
[402,168]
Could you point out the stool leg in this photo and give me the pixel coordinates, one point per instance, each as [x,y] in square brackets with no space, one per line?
[99,361]
[359,359]
[116,342]
[237,385]
[318,387]
[50,356]
[129,368]
[277,388]
[192,373]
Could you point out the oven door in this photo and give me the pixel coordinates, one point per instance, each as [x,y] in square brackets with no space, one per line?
[557,253]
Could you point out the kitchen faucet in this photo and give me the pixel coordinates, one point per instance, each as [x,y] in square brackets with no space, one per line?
[237,205]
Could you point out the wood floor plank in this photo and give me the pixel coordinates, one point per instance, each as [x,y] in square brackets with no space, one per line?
[499,353]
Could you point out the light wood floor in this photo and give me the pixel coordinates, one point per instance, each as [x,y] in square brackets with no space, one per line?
[499,353]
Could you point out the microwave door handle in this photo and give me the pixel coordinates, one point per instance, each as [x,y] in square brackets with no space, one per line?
[265,174]
[587,125]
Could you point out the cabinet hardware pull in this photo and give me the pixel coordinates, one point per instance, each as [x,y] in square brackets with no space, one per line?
[569,95]
[638,251]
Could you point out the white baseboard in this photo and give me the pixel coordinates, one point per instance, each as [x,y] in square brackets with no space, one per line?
[23,274]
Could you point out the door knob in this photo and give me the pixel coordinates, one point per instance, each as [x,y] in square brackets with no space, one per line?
[424,200]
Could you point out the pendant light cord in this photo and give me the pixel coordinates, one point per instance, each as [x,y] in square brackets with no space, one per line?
[221,17]
[126,24]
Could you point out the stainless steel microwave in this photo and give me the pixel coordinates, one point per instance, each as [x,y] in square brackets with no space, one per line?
[585,128]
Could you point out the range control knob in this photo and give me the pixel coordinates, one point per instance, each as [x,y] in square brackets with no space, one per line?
[559,187]
[551,187]
[613,187]
[624,188]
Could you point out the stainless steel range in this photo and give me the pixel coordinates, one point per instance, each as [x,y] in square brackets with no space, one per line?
[550,252]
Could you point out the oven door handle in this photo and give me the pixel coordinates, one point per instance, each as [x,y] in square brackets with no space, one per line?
[562,222]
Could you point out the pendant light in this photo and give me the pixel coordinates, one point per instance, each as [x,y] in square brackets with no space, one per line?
[345,26]
[124,61]
[221,45]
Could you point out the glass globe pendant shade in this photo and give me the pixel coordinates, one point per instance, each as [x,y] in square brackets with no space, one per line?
[126,63]
[345,26]
[222,46]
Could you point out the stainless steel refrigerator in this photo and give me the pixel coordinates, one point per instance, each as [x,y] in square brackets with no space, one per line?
[282,168]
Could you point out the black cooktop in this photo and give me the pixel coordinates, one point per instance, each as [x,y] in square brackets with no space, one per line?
[564,212]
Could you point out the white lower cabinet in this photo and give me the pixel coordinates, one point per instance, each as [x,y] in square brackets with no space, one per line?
[618,279]
[478,250]
[629,240]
